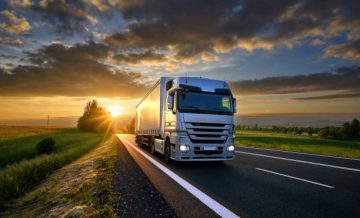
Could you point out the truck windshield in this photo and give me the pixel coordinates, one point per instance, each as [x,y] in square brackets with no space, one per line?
[196,102]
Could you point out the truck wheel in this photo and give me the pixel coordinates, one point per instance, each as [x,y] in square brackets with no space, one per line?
[167,152]
[140,142]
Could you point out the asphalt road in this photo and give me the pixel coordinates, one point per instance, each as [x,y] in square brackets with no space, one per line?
[260,183]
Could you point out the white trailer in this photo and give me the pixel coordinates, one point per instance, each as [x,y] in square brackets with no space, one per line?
[187,119]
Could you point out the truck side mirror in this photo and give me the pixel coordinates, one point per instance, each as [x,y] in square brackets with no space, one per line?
[170,102]
[234,105]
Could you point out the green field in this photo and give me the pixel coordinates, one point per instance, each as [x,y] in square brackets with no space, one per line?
[21,168]
[308,144]
[21,146]
[9,132]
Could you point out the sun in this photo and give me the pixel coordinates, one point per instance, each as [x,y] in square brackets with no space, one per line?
[114,111]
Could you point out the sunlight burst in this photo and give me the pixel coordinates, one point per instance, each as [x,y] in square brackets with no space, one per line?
[114,111]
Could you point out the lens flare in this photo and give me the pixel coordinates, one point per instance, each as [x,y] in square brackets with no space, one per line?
[114,111]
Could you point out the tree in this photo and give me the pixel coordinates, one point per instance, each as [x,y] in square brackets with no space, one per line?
[346,131]
[354,128]
[130,127]
[95,118]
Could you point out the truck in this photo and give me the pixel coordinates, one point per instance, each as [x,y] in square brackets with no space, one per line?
[187,119]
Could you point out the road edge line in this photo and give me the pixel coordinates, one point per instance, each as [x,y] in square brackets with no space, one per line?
[204,198]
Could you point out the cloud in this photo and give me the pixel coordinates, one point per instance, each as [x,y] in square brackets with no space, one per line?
[20,3]
[342,79]
[14,25]
[66,17]
[78,70]
[139,58]
[317,42]
[192,30]
[334,96]
[10,41]
[350,50]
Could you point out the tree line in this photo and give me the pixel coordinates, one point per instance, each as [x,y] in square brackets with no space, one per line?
[349,130]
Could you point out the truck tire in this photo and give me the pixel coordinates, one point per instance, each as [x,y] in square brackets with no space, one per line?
[167,152]
[140,141]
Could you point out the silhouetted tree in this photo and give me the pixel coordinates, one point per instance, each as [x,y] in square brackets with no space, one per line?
[95,118]
[355,128]
[346,131]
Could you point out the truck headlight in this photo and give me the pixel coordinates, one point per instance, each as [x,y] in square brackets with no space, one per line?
[184,148]
[231,148]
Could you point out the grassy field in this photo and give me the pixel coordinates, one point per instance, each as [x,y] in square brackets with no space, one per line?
[308,144]
[9,132]
[21,146]
[80,189]
[22,169]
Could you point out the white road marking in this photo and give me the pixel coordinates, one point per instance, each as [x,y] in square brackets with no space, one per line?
[208,201]
[298,152]
[293,177]
[301,161]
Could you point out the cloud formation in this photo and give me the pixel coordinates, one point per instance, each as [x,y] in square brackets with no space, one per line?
[334,96]
[340,79]
[171,33]
[65,17]
[14,24]
[350,50]
[147,57]
[10,41]
[78,70]
[193,30]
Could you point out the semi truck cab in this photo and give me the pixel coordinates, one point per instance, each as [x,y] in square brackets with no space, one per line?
[194,120]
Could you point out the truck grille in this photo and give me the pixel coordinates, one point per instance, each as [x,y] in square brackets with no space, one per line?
[208,133]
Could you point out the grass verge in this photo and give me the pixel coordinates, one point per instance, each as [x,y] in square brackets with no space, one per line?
[80,189]
[307,144]
[18,178]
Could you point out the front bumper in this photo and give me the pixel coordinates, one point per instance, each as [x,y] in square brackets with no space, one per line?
[199,153]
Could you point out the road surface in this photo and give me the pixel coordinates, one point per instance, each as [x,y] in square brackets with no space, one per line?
[258,183]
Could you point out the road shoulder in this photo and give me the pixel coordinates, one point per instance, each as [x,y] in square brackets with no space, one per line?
[136,196]
[183,203]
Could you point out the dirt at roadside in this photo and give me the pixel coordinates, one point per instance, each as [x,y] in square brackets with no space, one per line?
[136,196]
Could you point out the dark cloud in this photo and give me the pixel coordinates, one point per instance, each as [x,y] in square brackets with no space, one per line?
[139,58]
[192,29]
[343,78]
[350,50]
[77,70]
[335,96]
[66,17]
[56,52]
[5,56]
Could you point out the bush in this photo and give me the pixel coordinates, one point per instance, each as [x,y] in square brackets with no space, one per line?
[45,146]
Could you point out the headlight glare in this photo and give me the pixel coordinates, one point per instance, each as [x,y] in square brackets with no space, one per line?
[231,148]
[184,148]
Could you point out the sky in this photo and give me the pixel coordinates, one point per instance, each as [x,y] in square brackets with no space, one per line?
[280,57]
